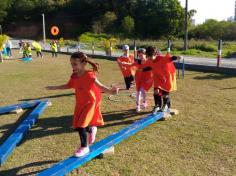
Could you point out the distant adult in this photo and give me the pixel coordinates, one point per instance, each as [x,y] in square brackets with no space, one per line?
[8,48]
[54,48]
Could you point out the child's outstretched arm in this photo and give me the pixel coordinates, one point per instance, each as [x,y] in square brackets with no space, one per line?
[113,90]
[61,87]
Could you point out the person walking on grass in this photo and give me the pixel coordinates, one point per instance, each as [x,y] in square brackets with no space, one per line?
[9,48]
[54,48]
[87,114]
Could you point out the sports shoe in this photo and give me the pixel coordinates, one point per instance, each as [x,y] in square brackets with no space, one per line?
[166,109]
[156,109]
[82,151]
[138,109]
[144,105]
[92,135]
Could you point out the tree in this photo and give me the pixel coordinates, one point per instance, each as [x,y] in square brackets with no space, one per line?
[128,24]
[4,5]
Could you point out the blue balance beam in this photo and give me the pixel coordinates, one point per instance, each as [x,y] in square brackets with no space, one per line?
[72,162]
[26,105]
[14,139]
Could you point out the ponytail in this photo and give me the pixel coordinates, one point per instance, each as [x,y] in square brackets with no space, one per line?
[84,59]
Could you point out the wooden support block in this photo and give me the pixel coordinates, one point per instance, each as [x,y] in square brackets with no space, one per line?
[108,152]
[49,103]
[17,111]
[174,111]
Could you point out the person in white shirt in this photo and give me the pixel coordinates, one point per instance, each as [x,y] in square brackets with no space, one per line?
[8,48]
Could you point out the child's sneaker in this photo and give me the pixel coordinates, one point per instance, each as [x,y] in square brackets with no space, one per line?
[166,109]
[92,135]
[156,109]
[82,151]
[144,105]
[138,109]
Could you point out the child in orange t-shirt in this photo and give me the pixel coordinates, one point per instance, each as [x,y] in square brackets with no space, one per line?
[164,76]
[127,71]
[163,72]
[143,80]
[87,114]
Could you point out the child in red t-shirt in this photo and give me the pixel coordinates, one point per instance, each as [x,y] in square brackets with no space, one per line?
[127,72]
[87,114]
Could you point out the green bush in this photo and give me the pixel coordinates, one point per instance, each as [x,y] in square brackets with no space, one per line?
[91,37]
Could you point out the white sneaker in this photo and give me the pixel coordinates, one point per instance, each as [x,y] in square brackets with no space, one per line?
[156,109]
[82,151]
[138,109]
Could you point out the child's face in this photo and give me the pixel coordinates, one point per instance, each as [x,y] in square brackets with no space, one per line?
[76,65]
[126,52]
[142,56]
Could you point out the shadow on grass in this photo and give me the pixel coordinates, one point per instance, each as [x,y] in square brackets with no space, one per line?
[61,125]
[228,88]
[214,77]
[14,171]
[10,128]
[51,96]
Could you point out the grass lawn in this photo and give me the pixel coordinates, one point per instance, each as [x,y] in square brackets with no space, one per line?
[201,140]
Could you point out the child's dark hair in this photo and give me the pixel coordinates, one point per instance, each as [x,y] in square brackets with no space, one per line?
[151,51]
[84,59]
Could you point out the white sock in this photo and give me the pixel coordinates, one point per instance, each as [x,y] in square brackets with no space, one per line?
[138,98]
[143,92]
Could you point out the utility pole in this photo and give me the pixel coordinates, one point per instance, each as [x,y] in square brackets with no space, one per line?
[44,33]
[0,29]
[186,27]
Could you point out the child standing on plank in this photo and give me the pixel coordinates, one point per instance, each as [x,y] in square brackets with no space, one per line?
[143,79]
[127,72]
[163,71]
[87,114]
[164,76]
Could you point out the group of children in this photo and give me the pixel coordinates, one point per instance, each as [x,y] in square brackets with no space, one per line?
[149,68]
[26,49]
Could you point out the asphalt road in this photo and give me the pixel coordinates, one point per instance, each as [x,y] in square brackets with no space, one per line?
[231,63]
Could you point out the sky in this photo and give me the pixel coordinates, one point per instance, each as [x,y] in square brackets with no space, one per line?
[211,9]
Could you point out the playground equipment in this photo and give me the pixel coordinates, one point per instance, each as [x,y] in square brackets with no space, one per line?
[16,137]
[72,162]
[27,59]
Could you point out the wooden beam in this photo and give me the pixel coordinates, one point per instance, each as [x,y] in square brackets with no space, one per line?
[72,162]
[25,105]
[14,139]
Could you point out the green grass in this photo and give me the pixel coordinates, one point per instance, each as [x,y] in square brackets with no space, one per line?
[201,140]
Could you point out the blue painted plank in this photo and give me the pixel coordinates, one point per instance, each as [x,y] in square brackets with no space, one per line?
[72,162]
[24,105]
[11,142]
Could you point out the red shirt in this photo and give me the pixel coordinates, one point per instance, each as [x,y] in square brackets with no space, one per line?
[88,99]
[126,70]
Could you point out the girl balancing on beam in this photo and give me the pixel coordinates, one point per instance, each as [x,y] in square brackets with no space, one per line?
[87,114]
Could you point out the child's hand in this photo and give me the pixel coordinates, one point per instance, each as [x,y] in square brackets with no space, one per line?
[180,57]
[114,90]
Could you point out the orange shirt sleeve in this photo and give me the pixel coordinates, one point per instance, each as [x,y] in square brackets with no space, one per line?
[71,82]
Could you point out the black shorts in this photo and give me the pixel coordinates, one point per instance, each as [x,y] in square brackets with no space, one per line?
[161,92]
[128,81]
